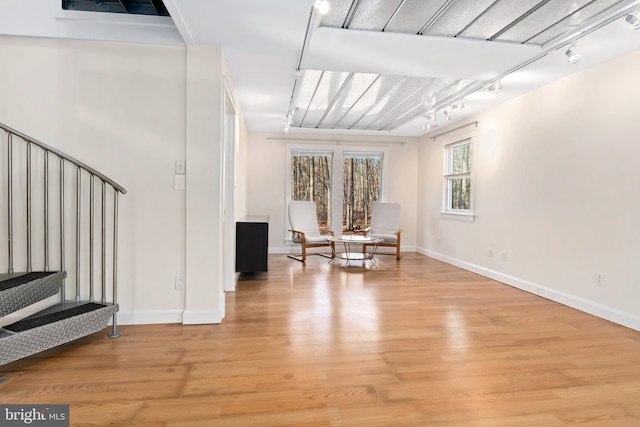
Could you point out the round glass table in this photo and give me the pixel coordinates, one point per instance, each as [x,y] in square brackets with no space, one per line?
[349,254]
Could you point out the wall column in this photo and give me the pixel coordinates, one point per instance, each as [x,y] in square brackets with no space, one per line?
[204,298]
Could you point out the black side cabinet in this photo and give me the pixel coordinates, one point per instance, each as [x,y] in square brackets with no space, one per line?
[252,242]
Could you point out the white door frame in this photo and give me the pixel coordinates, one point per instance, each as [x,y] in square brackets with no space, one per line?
[229,138]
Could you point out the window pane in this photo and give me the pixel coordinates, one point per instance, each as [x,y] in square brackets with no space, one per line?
[311,180]
[460,194]
[461,158]
[362,185]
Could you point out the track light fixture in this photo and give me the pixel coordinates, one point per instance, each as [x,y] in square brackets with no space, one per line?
[633,20]
[572,55]
[429,120]
[322,6]
[288,121]
[428,100]
[430,116]
[496,86]
[448,112]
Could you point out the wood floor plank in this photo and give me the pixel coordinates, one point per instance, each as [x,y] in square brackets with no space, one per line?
[415,342]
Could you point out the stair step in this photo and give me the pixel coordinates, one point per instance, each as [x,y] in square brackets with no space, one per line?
[20,290]
[4,334]
[52,327]
[8,281]
[39,320]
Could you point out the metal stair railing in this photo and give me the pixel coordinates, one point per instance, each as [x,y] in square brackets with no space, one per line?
[31,210]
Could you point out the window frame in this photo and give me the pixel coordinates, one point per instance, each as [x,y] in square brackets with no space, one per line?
[362,154]
[448,145]
[337,182]
[309,151]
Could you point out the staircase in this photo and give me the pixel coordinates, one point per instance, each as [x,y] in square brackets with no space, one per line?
[60,216]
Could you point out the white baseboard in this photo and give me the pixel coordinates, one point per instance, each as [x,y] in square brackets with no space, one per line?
[149,317]
[622,318]
[285,250]
[232,287]
[200,317]
[169,316]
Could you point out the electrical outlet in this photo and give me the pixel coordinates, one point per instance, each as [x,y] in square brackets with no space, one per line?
[179,284]
[599,279]
[504,256]
[489,252]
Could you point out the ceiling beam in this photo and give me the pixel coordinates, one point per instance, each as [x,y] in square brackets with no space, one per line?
[473,21]
[388,93]
[436,16]
[315,91]
[335,99]
[351,14]
[397,106]
[399,54]
[356,101]
[570,16]
[393,15]
[519,19]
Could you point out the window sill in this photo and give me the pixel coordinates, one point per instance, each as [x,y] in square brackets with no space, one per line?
[458,216]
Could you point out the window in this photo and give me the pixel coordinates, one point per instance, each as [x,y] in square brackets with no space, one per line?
[344,198]
[311,180]
[457,179]
[362,186]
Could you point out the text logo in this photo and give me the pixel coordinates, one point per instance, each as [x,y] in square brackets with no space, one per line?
[34,415]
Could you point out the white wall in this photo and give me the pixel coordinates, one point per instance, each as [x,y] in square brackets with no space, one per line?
[556,188]
[267,175]
[122,109]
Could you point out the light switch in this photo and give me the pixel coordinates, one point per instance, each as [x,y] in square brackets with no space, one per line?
[181,167]
[179,182]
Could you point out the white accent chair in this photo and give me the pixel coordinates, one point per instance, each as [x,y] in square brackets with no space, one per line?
[305,230]
[385,225]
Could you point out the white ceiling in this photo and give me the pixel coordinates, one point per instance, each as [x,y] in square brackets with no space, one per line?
[263,42]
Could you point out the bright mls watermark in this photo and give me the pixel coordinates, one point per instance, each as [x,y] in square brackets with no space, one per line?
[34,415]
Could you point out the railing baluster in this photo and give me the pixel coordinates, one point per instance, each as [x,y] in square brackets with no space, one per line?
[10,199]
[29,266]
[104,243]
[114,279]
[30,237]
[91,213]
[62,236]
[78,218]
[46,210]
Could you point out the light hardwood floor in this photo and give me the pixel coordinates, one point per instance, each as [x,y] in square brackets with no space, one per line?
[414,343]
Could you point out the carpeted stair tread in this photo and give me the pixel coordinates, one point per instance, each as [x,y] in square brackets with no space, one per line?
[34,322]
[23,278]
